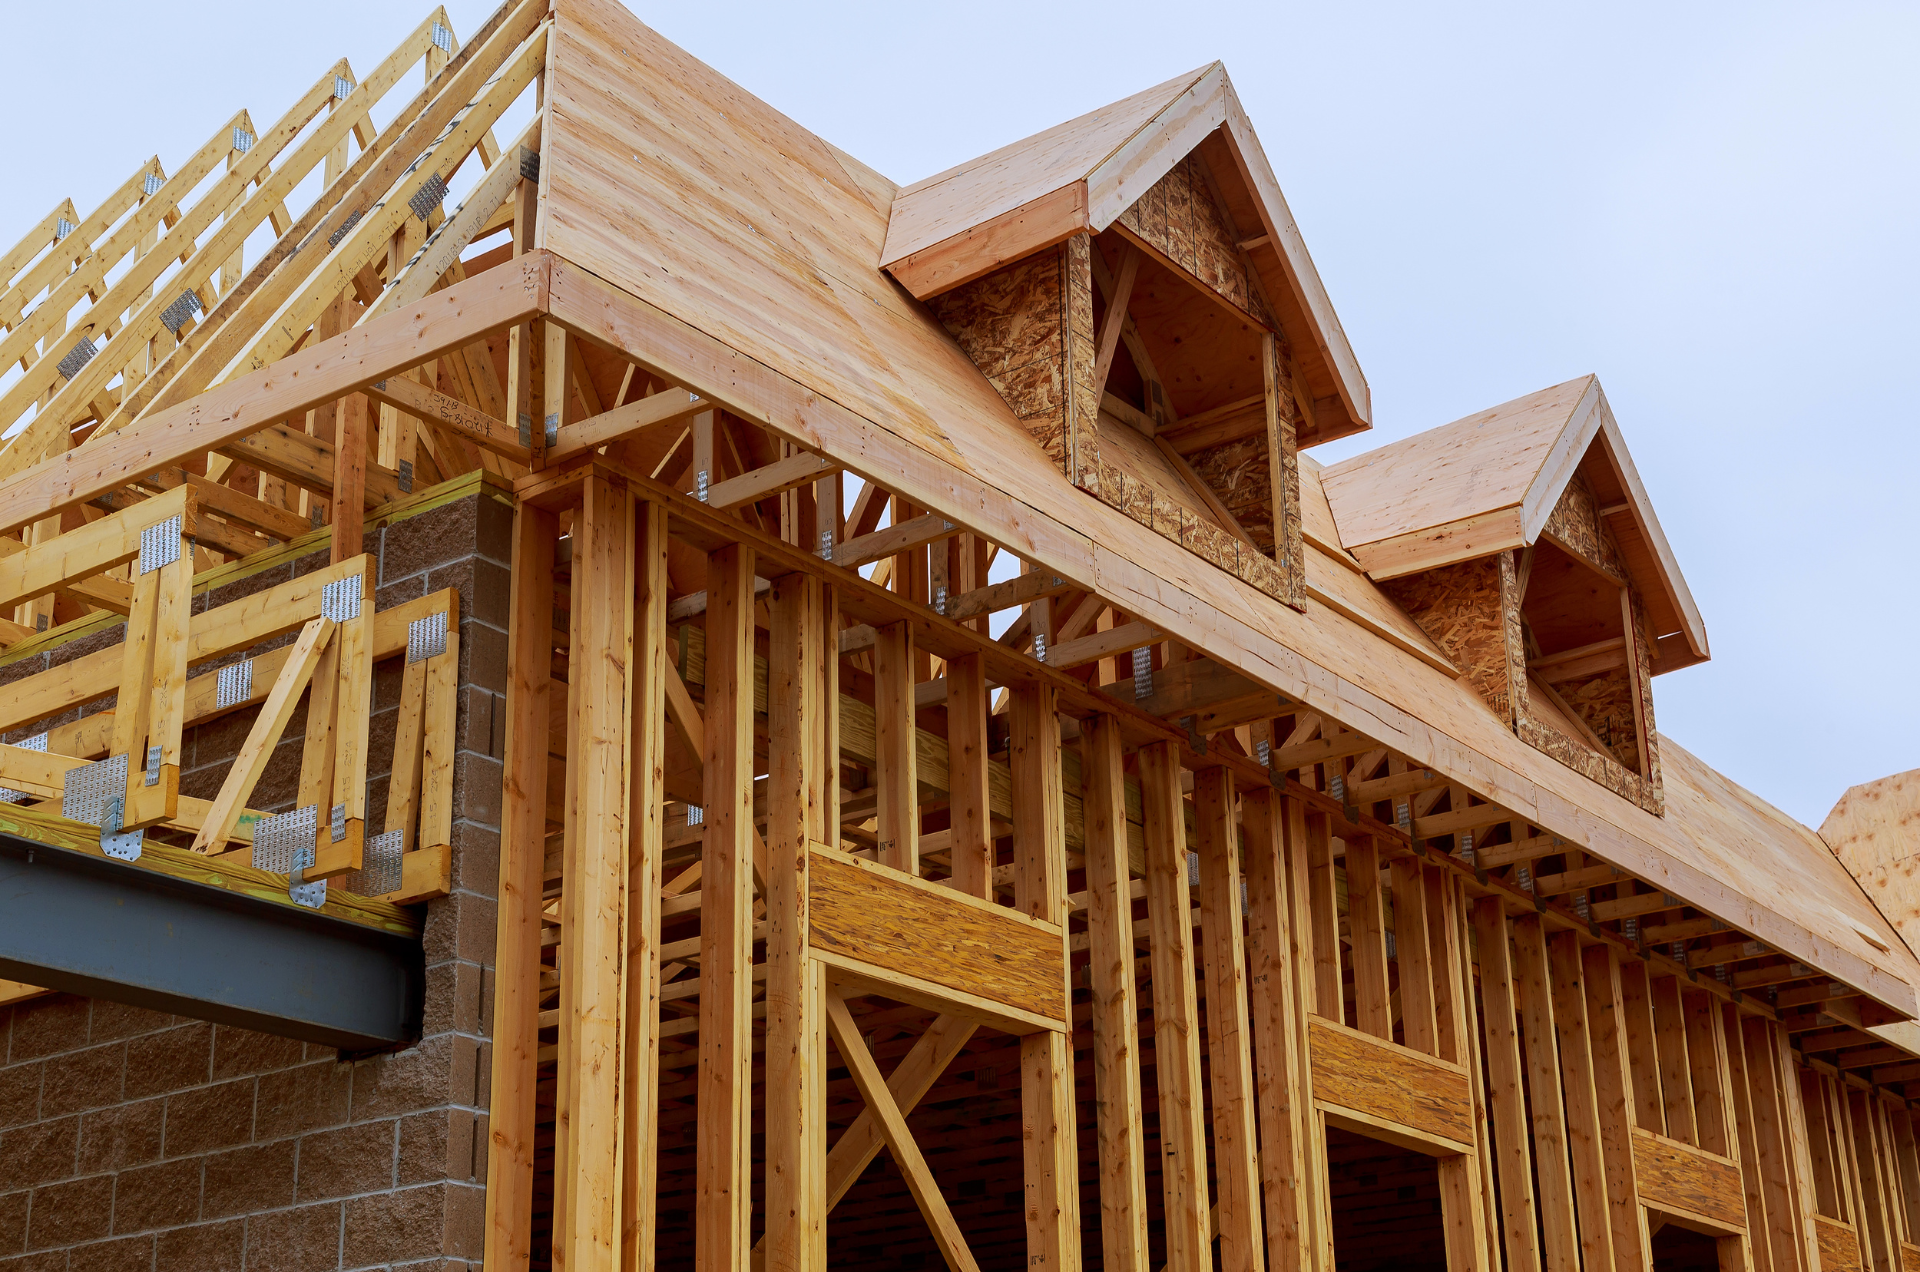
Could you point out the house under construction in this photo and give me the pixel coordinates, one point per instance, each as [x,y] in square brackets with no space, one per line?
[696,708]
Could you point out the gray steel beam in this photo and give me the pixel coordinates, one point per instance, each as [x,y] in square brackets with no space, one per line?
[86,925]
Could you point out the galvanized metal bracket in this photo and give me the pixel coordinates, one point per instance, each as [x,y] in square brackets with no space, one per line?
[427,637]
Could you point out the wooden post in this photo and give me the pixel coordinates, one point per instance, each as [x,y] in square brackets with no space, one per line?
[1643,1061]
[896,768]
[523,393]
[593,935]
[1613,1088]
[1176,1026]
[1560,1250]
[640,1095]
[1582,1103]
[970,839]
[1505,1089]
[1746,1121]
[722,1199]
[1787,1181]
[1278,1025]
[1116,1007]
[1302,831]
[1707,1067]
[516,986]
[349,478]
[1047,1102]
[796,1133]
[1229,1032]
[1414,950]
[1372,1007]
[1670,1044]
[1322,906]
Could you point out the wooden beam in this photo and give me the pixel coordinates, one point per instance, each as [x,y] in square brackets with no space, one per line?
[764,483]
[893,1125]
[1613,1090]
[724,1199]
[1229,1031]
[1276,954]
[587,1213]
[1506,1087]
[970,853]
[894,540]
[1322,908]
[668,406]
[1670,1045]
[1414,949]
[1366,915]
[1097,645]
[263,737]
[467,422]
[896,773]
[646,766]
[1560,1247]
[1116,1009]
[1047,1101]
[1108,341]
[1584,1131]
[1176,1024]
[796,1121]
[516,989]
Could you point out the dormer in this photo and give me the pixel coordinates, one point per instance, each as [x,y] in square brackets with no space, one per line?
[1132,284]
[1522,542]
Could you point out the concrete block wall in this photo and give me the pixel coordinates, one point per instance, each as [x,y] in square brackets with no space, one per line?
[130,1139]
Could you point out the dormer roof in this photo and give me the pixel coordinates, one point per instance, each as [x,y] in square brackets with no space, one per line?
[1082,175]
[1489,482]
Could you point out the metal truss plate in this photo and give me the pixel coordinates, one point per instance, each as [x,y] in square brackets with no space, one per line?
[235,685]
[38,742]
[553,431]
[284,843]
[62,228]
[406,477]
[379,871]
[431,194]
[175,316]
[427,637]
[83,352]
[337,823]
[311,895]
[526,431]
[346,228]
[242,140]
[152,184]
[160,545]
[342,88]
[154,754]
[530,165]
[340,599]
[88,789]
[442,38]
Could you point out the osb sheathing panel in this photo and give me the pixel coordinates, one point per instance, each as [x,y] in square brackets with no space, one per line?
[1459,606]
[1179,217]
[1029,329]
[1605,704]
[1576,525]
[1013,326]
[1239,474]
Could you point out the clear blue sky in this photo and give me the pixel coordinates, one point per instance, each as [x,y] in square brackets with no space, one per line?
[1711,205]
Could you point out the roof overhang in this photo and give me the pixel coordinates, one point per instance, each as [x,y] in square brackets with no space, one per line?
[1496,516]
[1080,176]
